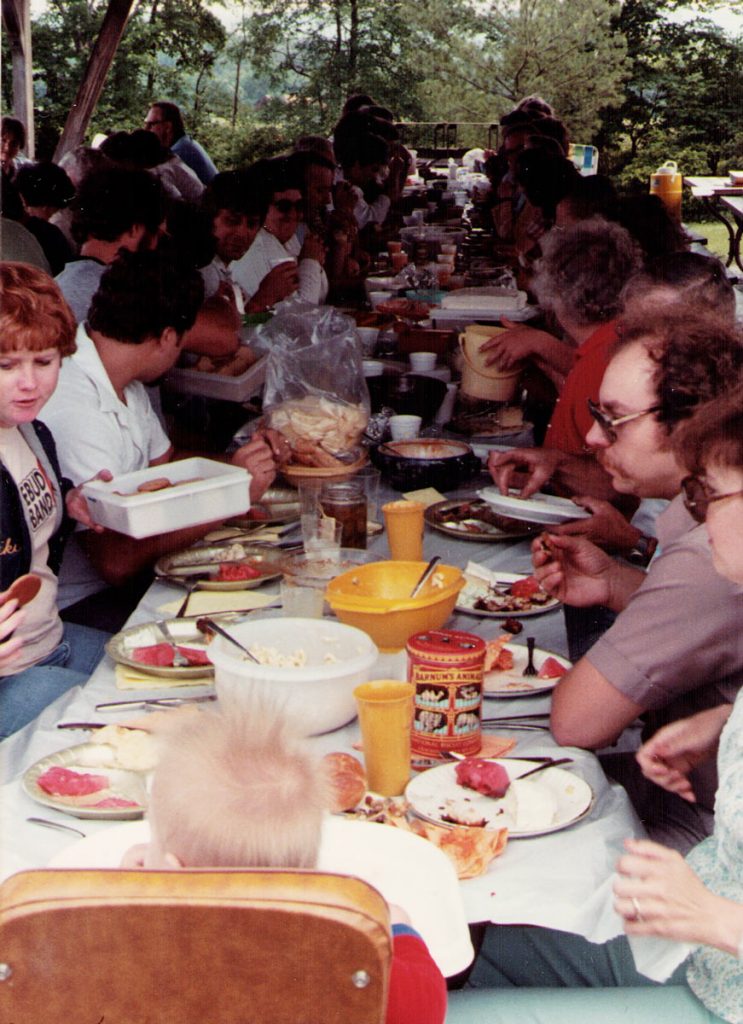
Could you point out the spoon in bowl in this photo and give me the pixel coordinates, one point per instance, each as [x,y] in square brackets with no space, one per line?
[425,575]
[206,625]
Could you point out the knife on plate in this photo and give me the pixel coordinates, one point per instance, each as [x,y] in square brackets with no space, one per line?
[154,702]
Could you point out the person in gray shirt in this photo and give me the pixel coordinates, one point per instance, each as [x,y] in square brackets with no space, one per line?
[676,646]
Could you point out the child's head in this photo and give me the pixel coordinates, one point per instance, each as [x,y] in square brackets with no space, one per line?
[237,788]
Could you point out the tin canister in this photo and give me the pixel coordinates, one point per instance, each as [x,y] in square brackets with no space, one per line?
[446,668]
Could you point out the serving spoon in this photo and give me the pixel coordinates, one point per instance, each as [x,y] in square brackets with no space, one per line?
[425,575]
[206,625]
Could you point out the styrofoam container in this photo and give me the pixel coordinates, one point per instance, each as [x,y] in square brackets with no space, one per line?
[319,694]
[218,492]
[217,385]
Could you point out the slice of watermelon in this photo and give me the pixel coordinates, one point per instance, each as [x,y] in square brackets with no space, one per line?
[115,801]
[527,587]
[59,781]
[194,655]
[485,777]
[551,669]
[159,655]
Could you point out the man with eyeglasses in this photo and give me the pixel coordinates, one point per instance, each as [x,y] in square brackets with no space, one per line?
[676,647]
[278,191]
[165,120]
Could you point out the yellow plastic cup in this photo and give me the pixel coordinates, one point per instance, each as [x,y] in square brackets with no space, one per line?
[403,521]
[386,716]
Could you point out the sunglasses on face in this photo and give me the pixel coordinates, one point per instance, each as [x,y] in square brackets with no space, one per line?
[609,424]
[285,206]
[698,497]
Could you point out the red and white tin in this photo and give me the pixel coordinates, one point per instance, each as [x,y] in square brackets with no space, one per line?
[446,668]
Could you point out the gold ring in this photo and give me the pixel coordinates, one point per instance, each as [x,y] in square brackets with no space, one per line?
[638,912]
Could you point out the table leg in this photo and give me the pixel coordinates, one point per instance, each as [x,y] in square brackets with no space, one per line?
[712,207]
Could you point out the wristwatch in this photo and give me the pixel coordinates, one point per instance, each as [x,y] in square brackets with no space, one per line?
[643,551]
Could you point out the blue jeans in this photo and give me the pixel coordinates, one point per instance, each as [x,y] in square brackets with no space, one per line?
[24,695]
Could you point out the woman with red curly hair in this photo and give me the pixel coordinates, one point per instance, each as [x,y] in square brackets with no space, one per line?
[40,657]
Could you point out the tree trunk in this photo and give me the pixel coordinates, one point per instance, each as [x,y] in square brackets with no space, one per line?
[16,15]
[353,41]
[151,72]
[88,94]
[236,92]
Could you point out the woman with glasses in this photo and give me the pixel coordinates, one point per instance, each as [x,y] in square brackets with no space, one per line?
[695,904]
[279,186]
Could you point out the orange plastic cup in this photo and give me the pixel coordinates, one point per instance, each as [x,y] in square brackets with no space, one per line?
[386,715]
[403,521]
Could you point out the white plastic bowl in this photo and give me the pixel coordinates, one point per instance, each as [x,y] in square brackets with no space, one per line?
[320,693]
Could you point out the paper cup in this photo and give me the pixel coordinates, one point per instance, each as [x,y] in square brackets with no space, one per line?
[385,709]
[421,361]
[405,428]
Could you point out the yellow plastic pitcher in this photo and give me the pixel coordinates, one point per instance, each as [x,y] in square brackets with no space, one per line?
[666,184]
[478,379]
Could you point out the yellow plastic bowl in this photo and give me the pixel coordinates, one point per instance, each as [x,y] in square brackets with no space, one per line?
[375,598]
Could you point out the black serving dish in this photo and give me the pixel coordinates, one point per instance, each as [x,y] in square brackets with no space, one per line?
[426,462]
[409,394]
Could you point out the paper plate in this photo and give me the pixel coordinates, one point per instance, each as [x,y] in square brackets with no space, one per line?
[545,509]
[475,588]
[510,683]
[560,795]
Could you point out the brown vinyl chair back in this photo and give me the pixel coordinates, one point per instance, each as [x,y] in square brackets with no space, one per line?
[192,947]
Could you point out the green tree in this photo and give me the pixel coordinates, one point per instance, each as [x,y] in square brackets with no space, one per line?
[169,49]
[314,53]
[683,97]
[482,56]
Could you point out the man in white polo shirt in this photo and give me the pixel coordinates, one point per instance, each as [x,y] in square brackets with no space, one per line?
[102,419]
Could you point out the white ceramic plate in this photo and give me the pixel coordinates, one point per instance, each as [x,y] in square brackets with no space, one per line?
[475,588]
[121,646]
[406,869]
[89,759]
[513,683]
[546,509]
[559,799]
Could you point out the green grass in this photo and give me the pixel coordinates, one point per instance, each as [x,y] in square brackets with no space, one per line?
[716,235]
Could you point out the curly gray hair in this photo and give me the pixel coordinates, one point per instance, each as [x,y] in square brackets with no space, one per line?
[584,268]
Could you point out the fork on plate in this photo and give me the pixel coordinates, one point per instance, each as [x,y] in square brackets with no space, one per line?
[179,660]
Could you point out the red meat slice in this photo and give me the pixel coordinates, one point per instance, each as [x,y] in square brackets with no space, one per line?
[551,669]
[525,588]
[484,777]
[116,801]
[58,781]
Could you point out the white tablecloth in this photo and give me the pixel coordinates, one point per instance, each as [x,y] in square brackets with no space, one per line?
[561,880]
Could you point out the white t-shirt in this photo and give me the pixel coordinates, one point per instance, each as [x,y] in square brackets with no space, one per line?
[95,430]
[42,628]
[267,252]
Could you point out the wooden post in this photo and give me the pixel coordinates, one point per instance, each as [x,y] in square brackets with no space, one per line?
[17,18]
[94,79]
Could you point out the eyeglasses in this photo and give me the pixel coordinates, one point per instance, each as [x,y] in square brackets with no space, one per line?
[698,497]
[609,423]
[288,205]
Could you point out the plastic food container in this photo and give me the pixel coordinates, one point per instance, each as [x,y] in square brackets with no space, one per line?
[376,598]
[319,693]
[217,385]
[215,491]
